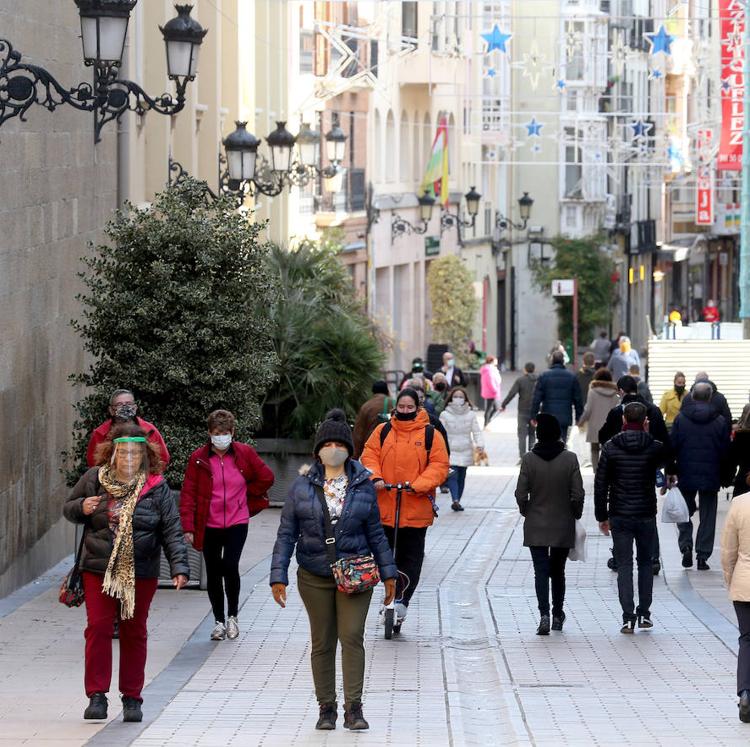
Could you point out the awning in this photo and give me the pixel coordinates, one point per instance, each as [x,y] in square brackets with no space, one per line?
[678,250]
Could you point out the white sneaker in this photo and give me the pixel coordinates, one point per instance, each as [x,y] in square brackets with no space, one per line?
[233,629]
[219,633]
[401,610]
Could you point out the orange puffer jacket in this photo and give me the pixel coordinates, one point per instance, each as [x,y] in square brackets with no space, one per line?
[403,458]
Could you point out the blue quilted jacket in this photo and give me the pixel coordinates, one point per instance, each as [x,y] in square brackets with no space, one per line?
[557,393]
[357,532]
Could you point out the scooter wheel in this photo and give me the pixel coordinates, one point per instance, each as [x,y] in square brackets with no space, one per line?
[397,629]
[389,627]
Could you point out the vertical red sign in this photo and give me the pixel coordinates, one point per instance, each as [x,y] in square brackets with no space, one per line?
[732,25]
[704,187]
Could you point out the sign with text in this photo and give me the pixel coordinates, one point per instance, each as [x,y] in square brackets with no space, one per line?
[732,29]
[704,186]
[431,246]
[563,287]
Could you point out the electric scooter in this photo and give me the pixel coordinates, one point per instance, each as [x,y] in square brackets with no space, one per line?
[389,611]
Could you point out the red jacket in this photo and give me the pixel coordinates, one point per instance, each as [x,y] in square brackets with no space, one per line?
[100,436]
[197,487]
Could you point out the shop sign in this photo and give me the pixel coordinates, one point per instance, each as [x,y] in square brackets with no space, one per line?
[732,29]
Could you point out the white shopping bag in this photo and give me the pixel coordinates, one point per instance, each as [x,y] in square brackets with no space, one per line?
[579,446]
[579,551]
[675,510]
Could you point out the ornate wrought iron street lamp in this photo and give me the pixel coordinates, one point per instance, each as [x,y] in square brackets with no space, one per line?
[524,210]
[448,219]
[400,226]
[104,26]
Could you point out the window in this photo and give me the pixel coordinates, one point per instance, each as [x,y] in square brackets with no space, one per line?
[306,47]
[573,188]
[409,27]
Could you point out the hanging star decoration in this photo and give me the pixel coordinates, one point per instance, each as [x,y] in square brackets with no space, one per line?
[533,64]
[619,52]
[661,41]
[640,129]
[491,73]
[561,85]
[533,128]
[655,74]
[573,42]
[536,148]
[496,39]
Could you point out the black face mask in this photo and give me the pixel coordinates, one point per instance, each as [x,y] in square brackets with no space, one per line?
[441,387]
[679,389]
[406,415]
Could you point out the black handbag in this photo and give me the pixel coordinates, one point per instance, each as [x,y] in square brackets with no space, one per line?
[71,589]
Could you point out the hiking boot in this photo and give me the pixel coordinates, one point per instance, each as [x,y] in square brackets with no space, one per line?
[328,716]
[558,621]
[219,633]
[543,628]
[353,718]
[97,707]
[131,710]
[687,558]
[702,565]
[744,705]
[233,628]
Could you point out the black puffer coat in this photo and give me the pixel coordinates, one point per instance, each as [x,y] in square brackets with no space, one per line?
[557,393]
[700,439]
[156,525]
[625,483]
[738,464]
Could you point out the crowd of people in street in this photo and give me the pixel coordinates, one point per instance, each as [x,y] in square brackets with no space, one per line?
[360,513]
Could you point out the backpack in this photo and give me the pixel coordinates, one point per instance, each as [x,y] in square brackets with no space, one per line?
[384,416]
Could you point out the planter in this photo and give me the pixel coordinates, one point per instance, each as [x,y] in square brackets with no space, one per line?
[285,457]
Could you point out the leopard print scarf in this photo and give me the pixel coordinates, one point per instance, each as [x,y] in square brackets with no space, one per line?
[119,579]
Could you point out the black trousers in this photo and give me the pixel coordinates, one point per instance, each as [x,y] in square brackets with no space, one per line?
[222,549]
[704,539]
[490,408]
[625,531]
[549,566]
[409,558]
[742,609]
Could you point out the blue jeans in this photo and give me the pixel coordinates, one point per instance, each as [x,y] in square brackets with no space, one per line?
[456,483]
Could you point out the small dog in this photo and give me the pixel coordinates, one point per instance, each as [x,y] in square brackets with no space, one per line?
[480,458]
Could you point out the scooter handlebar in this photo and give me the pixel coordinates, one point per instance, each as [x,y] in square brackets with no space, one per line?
[405,486]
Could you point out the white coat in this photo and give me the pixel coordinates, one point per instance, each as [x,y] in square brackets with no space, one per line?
[735,549]
[464,433]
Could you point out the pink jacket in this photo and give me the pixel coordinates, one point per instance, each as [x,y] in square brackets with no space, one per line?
[491,381]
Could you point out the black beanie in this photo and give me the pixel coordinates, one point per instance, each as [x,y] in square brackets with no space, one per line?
[334,428]
[547,428]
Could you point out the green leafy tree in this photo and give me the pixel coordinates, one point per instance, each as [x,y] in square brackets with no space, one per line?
[584,260]
[175,308]
[454,303]
[329,351]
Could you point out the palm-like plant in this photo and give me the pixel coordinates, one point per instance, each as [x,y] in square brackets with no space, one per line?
[329,351]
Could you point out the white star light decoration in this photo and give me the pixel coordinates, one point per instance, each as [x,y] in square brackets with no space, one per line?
[533,65]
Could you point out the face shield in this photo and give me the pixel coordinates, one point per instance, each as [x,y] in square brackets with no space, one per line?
[128,457]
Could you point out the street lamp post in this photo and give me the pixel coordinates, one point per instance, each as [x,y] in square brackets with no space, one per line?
[401,226]
[104,26]
[525,203]
[448,219]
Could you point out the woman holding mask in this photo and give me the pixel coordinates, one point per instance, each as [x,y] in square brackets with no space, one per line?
[129,514]
[223,487]
[464,435]
[343,484]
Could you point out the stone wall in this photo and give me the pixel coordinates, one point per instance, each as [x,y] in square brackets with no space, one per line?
[56,192]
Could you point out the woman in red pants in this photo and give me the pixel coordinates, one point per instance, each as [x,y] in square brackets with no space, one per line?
[129,513]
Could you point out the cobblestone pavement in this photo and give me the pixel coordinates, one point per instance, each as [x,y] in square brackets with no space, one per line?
[467,669]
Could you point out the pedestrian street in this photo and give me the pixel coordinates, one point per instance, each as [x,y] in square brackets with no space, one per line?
[467,668]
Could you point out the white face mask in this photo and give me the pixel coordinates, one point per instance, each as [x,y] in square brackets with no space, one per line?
[222,442]
[458,401]
[333,456]
[449,363]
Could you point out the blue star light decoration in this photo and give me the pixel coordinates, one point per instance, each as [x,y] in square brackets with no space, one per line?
[561,85]
[660,41]
[640,129]
[533,128]
[491,73]
[496,39]
[655,75]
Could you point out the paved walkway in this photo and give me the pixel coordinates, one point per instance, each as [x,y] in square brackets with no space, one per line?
[467,669]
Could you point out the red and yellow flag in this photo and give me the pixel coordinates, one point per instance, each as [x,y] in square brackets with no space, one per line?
[435,180]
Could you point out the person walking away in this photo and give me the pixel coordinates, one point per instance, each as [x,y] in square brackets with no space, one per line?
[557,393]
[453,374]
[671,400]
[602,397]
[464,435]
[738,462]
[585,374]
[623,358]
[439,392]
[642,386]
[224,486]
[524,387]
[128,515]
[491,387]
[375,411]
[340,485]
[123,409]
[550,497]
[625,504]
[735,562]
[628,391]
[600,348]
[718,400]
[700,440]
[408,449]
